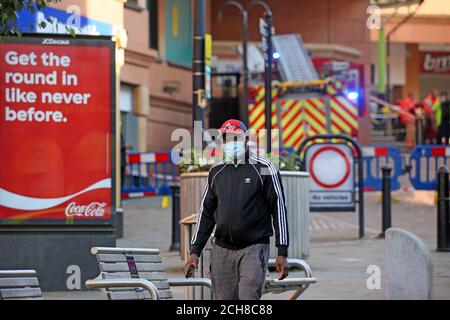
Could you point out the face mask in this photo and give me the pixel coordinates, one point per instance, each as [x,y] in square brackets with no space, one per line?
[234,149]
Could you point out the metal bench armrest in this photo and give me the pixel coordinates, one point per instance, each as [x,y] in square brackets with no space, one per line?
[123,283]
[290,282]
[299,263]
[182,282]
[297,284]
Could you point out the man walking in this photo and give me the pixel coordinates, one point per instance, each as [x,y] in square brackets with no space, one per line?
[243,197]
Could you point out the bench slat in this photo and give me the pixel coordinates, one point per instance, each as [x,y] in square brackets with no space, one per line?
[151,276]
[128,295]
[122,258]
[18,282]
[165,294]
[120,267]
[17,273]
[99,250]
[161,285]
[20,293]
[136,295]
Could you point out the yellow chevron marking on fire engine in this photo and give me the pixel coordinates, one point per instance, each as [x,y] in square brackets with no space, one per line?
[274,115]
[294,137]
[338,109]
[293,106]
[295,124]
[260,123]
[260,94]
[255,109]
[350,107]
[331,90]
[316,113]
[314,118]
[255,112]
[314,124]
[340,123]
[288,122]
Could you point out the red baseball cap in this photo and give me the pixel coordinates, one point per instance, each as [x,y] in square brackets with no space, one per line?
[233,126]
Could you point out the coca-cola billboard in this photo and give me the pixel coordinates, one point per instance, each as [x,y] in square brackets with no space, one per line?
[435,62]
[57,125]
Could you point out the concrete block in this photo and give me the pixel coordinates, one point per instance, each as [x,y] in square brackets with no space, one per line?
[409,267]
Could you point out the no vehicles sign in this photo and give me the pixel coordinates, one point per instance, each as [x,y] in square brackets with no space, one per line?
[332,171]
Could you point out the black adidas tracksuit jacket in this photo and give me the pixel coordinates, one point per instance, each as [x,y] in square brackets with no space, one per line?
[242,201]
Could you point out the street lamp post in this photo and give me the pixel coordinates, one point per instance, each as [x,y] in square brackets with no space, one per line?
[244,39]
[198,64]
[266,32]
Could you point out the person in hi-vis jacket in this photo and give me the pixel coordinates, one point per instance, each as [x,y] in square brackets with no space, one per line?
[244,200]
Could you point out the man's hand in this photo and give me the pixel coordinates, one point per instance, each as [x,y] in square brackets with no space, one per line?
[282,267]
[192,261]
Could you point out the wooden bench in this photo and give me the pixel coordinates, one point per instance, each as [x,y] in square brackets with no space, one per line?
[135,274]
[19,284]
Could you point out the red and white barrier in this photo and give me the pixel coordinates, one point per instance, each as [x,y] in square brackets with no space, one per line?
[148,157]
[440,152]
[375,151]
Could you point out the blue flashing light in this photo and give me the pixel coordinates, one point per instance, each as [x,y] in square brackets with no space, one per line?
[353,95]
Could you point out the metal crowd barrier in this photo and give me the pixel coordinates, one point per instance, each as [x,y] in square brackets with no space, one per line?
[424,162]
[152,173]
[148,174]
[374,159]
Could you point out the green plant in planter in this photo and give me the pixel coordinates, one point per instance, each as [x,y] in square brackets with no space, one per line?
[287,161]
[291,162]
[198,162]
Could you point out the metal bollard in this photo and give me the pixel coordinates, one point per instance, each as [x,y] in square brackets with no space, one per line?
[386,219]
[419,131]
[175,246]
[119,223]
[443,210]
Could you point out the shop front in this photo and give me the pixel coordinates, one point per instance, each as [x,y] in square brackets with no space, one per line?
[434,71]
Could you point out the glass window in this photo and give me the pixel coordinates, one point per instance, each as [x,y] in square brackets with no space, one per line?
[128,118]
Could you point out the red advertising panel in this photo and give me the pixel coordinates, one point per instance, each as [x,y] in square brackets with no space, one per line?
[435,62]
[57,131]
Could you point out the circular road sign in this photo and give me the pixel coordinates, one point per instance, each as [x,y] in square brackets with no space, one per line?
[329,167]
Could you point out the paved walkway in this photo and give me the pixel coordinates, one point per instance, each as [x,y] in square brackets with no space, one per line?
[338,259]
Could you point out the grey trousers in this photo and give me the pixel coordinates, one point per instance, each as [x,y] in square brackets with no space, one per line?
[239,274]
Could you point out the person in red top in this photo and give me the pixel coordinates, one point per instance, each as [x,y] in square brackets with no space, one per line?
[427,106]
[407,118]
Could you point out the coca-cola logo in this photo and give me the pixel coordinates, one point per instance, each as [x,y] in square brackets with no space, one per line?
[94,209]
[436,62]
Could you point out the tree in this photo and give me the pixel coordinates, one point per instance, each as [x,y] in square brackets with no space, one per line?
[9,11]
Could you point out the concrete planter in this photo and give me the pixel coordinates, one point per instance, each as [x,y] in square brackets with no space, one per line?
[191,189]
[296,191]
[296,188]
